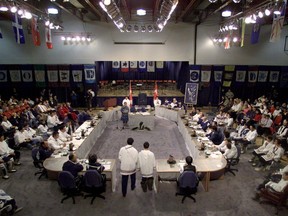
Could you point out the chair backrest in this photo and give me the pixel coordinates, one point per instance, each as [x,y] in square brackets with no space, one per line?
[93,178]
[188,179]
[35,154]
[66,180]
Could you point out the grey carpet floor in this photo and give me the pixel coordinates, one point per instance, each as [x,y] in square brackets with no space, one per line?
[229,196]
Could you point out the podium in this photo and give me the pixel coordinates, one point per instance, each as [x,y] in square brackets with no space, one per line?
[111,102]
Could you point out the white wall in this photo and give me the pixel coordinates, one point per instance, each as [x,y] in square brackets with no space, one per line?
[178,39]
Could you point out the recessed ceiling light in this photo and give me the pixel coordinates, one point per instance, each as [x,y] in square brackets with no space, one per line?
[141,12]
[226,13]
[52,11]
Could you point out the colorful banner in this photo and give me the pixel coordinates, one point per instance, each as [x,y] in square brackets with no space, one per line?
[27,76]
[277,25]
[48,37]
[124,66]
[240,76]
[274,76]
[252,76]
[150,66]
[191,93]
[205,76]
[142,66]
[18,29]
[35,31]
[52,75]
[64,75]
[90,75]
[262,76]
[77,75]
[3,75]
[15,75]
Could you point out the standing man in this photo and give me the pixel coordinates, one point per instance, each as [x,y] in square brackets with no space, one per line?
[125,114]
[146,164]
[90,96]
[128,157]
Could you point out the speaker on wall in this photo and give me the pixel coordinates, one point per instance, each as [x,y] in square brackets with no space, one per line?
[142,99]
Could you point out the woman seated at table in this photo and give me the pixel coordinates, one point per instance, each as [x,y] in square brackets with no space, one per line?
[94,164]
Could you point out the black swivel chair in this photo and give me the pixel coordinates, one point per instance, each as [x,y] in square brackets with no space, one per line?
[187,185]
[94,185]
[233,161]
[68,186]
[38,164]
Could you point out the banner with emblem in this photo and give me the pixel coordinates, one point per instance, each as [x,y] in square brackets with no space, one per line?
[90,74]
[133,66]
[77,75]
[39,74]
[252,76]
[194,71]
[27,76]
[274,76]
[159,64]
[262,76]
[3,75]
[205,75]
[115,66]
[52,75]
[218,76]
[240,75]
[15,75]
[150,66]
[124,66]
[191,93]
[64,75]
[142,66]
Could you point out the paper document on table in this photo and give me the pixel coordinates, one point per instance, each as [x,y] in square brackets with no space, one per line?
[107,166]
[145,113]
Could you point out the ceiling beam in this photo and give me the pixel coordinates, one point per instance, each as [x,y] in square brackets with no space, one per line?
[156,9]
[88,5]
[73,12]
[189,6]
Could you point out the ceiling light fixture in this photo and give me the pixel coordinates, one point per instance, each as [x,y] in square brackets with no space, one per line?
[213,1]
[52,11]
[226,13]
[260,14]
[267,12]
[13,9]
[4,8]
[141,12]
[107,2]
[236,1]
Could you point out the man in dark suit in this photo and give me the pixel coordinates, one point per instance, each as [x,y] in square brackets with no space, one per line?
[216,135]
[72,165]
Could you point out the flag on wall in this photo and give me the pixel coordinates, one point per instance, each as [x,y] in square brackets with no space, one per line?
[227,42]
[3,75]
[27,76]
[274,76]
[159,64]
[52,75]
[155,94]
[124,66]
[240,76]
[90,75]
[48,37]
[262,76]
[15,76]
[64,75]
[35,31]
[255,32]
[18,29]
[205,75]
[77,75]
[133,66]
[252,76]
[150,66]
[39,75]
[115,66]
[142,66]
[277,25]
[130,94]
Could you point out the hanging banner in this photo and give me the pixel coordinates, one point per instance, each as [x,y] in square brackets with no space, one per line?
[90,75]
[52,75]
[274,76]
[15,76]
[205,76]
[159,64]
[77,75]
[252,76]
[262,76]
[191,93]
[240,76]
[124,66]
[194,75]
[64,75]
[150,66]
[3,75]
[133,66]
[39,75]
[142,66]
[27,76]
[115,66]
[218,76]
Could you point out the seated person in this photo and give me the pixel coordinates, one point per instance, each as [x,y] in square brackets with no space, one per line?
[157,102]
[189,166]
[21,139]
[72,165]
[278,187]
[282,131]
[273,155]
[264,125]
[5,200]
[231,150]
[174,103]
[94,164]
[31,134]
[7,153]
[3,169]
[223,146]
[63,135]
[54,142]
[248,138]
[53,120]
[42,130]
[216,136]
[263,149]
[204,123]
[45,151]
[6,125]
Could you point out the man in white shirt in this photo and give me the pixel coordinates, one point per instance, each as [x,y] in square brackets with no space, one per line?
[21,138]
[7,153]
[53,120]
[282,131]
[126,99]
[249,138]
[6,124]
[264,125]
[54,142]
[157,102]
[128,157]
[63,135]
[146,164]
[31,134]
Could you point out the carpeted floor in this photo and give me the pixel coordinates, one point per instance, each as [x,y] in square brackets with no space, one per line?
[229,196]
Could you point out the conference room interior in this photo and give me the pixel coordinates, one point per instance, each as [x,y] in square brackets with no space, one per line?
[181,48]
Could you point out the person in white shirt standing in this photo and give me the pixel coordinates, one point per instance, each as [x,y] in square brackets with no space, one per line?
[128,157]
[146,164]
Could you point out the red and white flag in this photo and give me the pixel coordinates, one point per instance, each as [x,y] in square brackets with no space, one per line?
[155,94]
[48,37]
[35,31]
[130,95]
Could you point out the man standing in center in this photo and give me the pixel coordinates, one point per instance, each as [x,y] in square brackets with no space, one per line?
[128,157]
[146,163]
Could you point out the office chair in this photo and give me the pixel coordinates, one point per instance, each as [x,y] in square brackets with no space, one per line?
[94,185]
[38,164]
[278,199]
[233,162]
[68,186]
[187,185]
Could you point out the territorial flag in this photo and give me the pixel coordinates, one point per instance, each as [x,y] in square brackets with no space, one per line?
[155,94]
[124,66]
[133,66]
[130,94]
[18,29]
[142,66]
[277,25]
[48,37]
[255,32]
[35,31]
[150,66]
